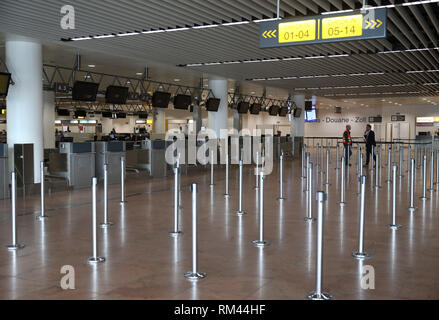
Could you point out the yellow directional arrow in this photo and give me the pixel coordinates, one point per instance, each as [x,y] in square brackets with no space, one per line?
[269,34]
[368,24]
[373,24]
[380,23]
[265,34]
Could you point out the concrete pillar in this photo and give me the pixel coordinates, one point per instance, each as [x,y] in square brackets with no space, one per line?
[49,119]
[298,124]
[25,98]
[159,121]
[218,120]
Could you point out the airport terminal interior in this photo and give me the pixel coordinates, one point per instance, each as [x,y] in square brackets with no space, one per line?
[219,150]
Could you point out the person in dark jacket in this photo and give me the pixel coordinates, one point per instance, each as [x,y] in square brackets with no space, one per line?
[369,137]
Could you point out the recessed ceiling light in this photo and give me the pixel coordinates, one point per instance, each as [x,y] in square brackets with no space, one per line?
[176,80]
[91,65]
[139,73]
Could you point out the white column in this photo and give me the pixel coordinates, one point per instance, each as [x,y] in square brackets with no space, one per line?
[218,120]
[159,122]
[49,119]
[25,98]
[298,124]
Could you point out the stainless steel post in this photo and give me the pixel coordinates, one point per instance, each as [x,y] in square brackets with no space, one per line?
[309,217]
[318,294]
[342,202]
[327,167]
[409,156]
[122,180]
[281,177]
[303,162]
[43,215]
[377,171]
[176,232]
[337,157]
[211,169]
[424,179]
[372,160]
[437,167]
[412,185]
[106,223]
[257,169]
[240,211]
[15,245]
[194,275]
[361,254]
[226,193]
[317,156]
[261,243]
[432,188]
[95,258]
[348,156]
[359,160]
[394,225]
[389,165]
[321,160]
[401,161]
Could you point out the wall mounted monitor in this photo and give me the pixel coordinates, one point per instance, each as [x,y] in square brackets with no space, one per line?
[308,105]
[121,115]
[116,95]
[243,107]
[80,114]
[255,108]
[160,99]
[273,111]
[5,79]
[182,101]
[63,112]
[283,112]
[297,113]
[85,91]
[143,116]
[311,116]
[212,104]
[107,114]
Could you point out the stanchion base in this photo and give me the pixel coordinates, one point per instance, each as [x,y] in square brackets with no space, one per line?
[94,260]
[240,213]
[395,226]
[424,198]
[123,202]
[41,218]
[105,225]
[261,243]
[191,276]
[175,234]
[361,255]
[280,198]
[309,219]
[226,195]
[411,209]
[319,296]
[342,204]
[14,247]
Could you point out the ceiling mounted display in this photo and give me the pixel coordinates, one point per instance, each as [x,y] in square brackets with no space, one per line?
[212,104]
[85,91]
[5,79]
[80,114]
[160,99]
[116,95]
[243,107]
[283,112]
[273,111]
[255,108]
[182,101]
[297,113]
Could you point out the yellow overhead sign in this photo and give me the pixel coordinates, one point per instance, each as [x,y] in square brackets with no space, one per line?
[297,31]
[342,27]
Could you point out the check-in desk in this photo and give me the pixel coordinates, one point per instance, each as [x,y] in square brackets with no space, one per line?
[75,162]
[157,154]
[138,155]
[4,173]
[110,153]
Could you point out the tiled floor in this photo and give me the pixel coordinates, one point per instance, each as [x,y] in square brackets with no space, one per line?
[144,262]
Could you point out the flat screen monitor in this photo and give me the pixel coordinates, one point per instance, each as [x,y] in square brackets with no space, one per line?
[116,95]
[297,113]
[107,114]
[311,116]
[161,99]
[182,101]
[212,104]
[273,111]
[80,114]
[255,108]
[308,105]
[5,79]
[85,91]
[283,112]
[143,116]
[63,112]
[243,107]
[121,115]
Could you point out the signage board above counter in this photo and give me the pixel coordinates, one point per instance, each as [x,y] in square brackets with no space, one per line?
[356,25]
[398,117]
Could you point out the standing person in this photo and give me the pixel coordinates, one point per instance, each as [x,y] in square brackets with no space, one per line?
[369,138]
[347,143]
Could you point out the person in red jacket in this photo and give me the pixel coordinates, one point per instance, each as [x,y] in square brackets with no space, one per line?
[347,143]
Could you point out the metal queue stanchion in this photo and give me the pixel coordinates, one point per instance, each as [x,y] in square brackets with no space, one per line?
[281,177]
[303,162]
[412,185]
[437,167]
[361,254]
[409,156]
[321,160]
[212,183]
[424,179]
[43,215]
[261,243]
[394,225]
[327,167]
[359,160]
[194,275]
[317,156]
[14,245]
[377,171]
[308,159]
[309,217]
[432,188]
[95,258]
[416,154]
[337,156]
[381,157]
[240,211]
[257,169]
[401,161]
[318,294]
[106,223]
[373,158]
[122,180]
[389,165]
[226,193]
[342,202]
[176,232]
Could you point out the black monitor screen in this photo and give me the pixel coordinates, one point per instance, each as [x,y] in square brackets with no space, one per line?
[5,79]
[63,112]
[121,115]
[182,101]
[297,113]
[243,107]
[80,114]
[212,104]
[283,111]
[274,111]
[107,114]
[255,108]
[161,99]
[116,95]
[143,116]
[85,91]
[308,105]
